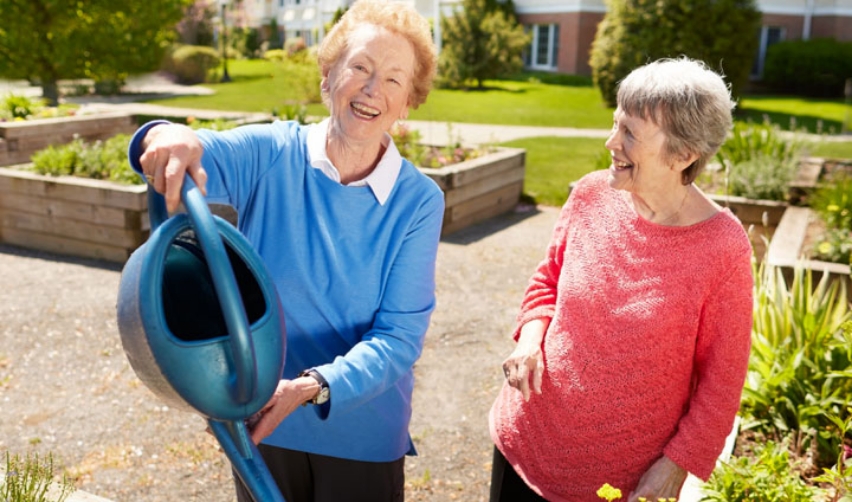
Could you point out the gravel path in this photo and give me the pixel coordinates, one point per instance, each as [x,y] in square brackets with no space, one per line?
[66,386]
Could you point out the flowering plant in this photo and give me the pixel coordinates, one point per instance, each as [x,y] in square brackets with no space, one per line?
[610,493]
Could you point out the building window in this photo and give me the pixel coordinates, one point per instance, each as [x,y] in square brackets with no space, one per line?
[544,50]
[767,37]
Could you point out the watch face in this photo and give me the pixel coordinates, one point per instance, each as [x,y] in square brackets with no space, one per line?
[322,397]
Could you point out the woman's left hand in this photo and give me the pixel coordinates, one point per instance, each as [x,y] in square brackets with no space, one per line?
[289,395]
[662,481]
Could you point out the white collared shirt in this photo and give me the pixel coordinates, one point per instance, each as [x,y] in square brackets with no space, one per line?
[380,181]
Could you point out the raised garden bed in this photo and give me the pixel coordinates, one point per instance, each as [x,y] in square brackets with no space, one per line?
[480,188]
[793,241]
[72,216]
[20,139]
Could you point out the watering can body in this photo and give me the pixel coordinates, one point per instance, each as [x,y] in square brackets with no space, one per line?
[174,332]
[203,328]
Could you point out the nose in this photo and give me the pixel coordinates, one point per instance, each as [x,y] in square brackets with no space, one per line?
[372,86]
[612,141]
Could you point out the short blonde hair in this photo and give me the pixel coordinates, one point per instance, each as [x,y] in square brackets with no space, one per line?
[688,101]
[398,18]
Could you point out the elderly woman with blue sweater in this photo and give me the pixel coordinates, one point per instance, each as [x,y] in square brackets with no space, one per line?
[349,231]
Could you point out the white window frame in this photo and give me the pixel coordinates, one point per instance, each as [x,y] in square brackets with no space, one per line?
[763,46]
[552,45]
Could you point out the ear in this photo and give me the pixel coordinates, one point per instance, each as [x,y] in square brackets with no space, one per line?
[684,160]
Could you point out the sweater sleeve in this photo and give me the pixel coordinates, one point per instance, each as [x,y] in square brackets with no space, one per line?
[721,363]
[540,296]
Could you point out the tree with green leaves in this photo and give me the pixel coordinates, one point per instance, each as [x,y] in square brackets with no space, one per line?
[48,40]
[480,41]
[722,33]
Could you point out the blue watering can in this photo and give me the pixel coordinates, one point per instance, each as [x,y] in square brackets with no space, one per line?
[203,328]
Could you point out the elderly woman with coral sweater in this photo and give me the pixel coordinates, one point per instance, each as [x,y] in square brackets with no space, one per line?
[634,332]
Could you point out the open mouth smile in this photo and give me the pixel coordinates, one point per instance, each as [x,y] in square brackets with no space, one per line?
[364,111]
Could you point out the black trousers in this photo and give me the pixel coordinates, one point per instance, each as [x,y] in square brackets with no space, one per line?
[307,477]
[506,485]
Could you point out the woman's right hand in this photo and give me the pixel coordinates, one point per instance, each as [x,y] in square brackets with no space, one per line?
[169,152]
[527,361]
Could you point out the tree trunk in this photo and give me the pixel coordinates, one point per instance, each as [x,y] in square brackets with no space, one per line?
[50,92]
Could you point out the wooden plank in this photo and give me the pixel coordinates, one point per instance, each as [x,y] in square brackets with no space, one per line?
[477,217]
[485,201]
[68,126]
[752,211]
[786,244]
[470,171]
[484,185]
[77,230]
[80,211]
[64,246]
[74,189]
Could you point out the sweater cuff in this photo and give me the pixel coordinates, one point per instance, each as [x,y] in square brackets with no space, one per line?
[134,150]
[530,315]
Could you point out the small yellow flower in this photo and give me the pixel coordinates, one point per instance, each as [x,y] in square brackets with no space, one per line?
[608,492]
[824,248]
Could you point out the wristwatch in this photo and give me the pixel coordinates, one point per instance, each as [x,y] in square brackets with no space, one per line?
[324,393]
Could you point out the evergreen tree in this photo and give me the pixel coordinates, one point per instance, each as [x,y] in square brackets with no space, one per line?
[48,40]
[722,33]
[479,42]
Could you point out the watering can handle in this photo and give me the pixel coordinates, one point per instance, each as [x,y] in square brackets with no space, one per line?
[244,380]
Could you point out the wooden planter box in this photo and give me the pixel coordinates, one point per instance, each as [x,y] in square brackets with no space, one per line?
[19,140]
[786,250]
[480,188]
[72,216]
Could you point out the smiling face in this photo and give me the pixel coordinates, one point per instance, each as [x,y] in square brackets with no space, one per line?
[369,86]
[640,163]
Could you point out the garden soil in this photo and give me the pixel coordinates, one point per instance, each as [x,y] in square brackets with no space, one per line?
[67,389]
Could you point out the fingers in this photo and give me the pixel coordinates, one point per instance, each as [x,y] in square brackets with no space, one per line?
[520,370]
[171,151]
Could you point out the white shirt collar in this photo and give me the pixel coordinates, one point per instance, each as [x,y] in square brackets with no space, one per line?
[380,181]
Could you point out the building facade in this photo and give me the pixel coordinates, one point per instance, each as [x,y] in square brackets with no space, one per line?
[563,30]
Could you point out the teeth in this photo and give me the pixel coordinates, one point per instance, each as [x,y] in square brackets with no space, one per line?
[364,110]
[621,165]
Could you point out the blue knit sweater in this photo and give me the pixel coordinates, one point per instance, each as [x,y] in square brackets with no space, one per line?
[356,280]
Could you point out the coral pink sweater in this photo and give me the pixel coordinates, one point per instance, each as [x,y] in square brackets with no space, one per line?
[646,353]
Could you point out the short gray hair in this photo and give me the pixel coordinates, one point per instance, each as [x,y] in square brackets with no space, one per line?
[690,102]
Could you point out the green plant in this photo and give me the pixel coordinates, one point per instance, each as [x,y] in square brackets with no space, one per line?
[799,378]
[106,160]
[634,32]
[839,477]
[758,163]
[20,107]
[29,479]
[835,246]
[833,202]
[767,474]
[816,67]
[191,64]
[481,40]
[218,124]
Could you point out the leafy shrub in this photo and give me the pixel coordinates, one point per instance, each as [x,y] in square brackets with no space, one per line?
[833,202]
[799,379]
[19,107]
[766,475]
[817,67]
[757,161]
[275,55]
[634,32]
[218,124]
[303,75]
[105,160]
[190,64]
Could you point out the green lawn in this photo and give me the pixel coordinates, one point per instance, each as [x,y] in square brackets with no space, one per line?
[552,163]
[538,99]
